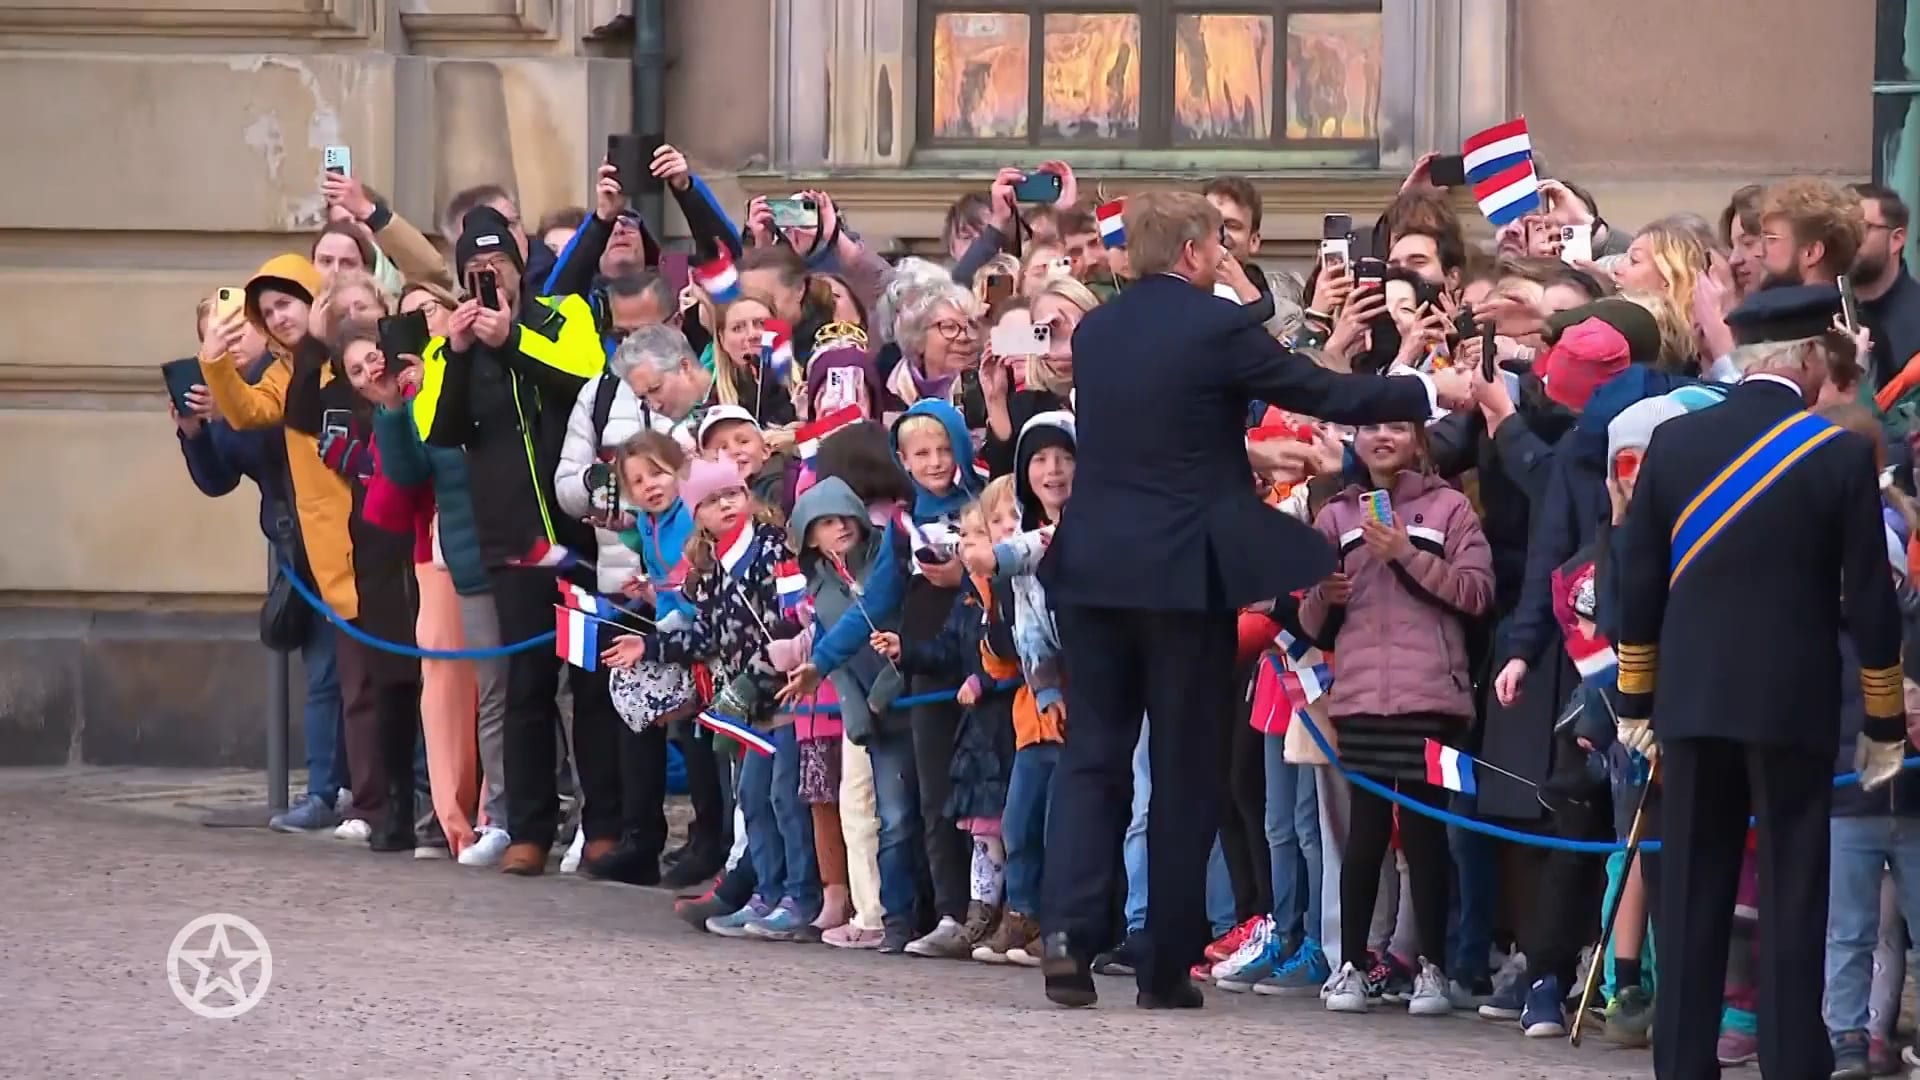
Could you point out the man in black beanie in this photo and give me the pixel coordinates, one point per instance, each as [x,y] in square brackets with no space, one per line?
[501,385]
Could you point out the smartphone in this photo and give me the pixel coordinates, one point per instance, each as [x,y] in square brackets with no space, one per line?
[999,287]
[1488,367]
[630,162]
[1448,170]
[1849,308]
[337,420]
[485,285]
[402,335]
[337,159]
[1020,337]
[1369,272]
[1576,243]
[1039,187]
[794,213]
[1378,506]
[1336,239]
[227,302]
[180,376]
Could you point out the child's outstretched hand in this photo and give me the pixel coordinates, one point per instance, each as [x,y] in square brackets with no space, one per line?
[802,683]
[887,644]
[626,651]
[977,555]
[969,691]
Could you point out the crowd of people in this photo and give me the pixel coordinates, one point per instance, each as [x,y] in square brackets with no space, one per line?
[797,500]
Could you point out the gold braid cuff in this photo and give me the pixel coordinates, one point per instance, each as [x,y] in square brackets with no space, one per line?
[1882,688]
[1637,664]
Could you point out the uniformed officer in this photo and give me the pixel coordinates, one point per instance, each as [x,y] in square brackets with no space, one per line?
[1755,525]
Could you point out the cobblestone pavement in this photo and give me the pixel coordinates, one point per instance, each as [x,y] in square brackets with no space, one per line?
[384,966]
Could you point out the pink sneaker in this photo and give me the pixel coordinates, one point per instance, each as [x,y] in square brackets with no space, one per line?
[849,936]
[1736,1048]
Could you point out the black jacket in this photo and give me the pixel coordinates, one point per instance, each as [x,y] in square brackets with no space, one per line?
[1894,319]
[1164,514]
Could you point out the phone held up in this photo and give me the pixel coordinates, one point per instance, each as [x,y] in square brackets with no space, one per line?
[181,376]
[1576,243]
[485,285]
[337,160]
[1021,338]
[1849,308]
[794,213]
[999,287]
[1447,171]
[1038,187]
[402,335]
[1378,507]
[228,302]
[337,420]
[1369,273]
[1336,239]
[632,159]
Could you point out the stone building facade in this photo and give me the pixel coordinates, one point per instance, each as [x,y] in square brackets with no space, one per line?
[155,151]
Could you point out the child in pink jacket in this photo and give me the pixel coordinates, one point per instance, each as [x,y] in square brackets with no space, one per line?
[1396,612]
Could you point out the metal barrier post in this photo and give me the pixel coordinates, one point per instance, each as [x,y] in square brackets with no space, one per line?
[279,719]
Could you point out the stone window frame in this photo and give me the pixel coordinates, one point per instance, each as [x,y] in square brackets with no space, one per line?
[1445,74]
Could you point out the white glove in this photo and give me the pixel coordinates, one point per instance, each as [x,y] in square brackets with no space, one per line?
[1877,762]
[1637,736]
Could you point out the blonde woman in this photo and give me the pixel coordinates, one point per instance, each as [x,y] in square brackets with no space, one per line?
[1059,305]
[1667,259]
[741,373]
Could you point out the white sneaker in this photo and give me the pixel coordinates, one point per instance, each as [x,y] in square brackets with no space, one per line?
[1346,992]
[353,829]
[487,849]
[1249,950]
[570,862]
[947,941]
[1429,992]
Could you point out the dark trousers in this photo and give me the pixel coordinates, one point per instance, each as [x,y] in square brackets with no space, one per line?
[396,707]
[1369,843]
[643,787]
[1243,821]
[360,729]
[1708,789]
[949,851]
[1177,669]
[711,822]
[524,599]
[1566,899]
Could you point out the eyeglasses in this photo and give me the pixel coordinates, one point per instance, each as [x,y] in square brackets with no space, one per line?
[955,330]
[1871,225]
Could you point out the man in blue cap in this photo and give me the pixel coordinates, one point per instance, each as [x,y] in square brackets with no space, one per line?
[1754,529]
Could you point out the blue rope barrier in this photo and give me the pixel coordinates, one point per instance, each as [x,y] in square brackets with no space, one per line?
[1484,828]
[1501,832]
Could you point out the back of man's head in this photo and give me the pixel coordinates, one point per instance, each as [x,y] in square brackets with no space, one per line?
[1161,223]
[463,201]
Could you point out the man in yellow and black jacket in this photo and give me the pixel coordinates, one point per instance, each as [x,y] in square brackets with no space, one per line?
[1753,542]
[501,386]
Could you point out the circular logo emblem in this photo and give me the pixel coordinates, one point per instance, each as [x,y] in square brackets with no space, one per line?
[219,966]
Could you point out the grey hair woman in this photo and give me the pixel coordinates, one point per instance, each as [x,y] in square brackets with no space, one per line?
[940,335]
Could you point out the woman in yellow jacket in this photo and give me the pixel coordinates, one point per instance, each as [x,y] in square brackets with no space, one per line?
[279,300]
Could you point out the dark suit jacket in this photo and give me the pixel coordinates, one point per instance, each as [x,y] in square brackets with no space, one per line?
[1164,516]
[1743,645]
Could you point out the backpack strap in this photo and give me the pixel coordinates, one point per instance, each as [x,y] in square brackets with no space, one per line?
[603,395]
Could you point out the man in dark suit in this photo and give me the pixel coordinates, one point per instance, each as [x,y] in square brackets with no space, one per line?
[1753,542]
[1162,542]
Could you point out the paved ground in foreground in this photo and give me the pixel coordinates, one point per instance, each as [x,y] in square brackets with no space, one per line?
[384,966]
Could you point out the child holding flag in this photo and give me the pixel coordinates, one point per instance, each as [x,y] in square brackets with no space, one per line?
[1414,568]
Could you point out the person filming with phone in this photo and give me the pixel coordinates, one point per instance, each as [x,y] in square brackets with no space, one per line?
[1041,337]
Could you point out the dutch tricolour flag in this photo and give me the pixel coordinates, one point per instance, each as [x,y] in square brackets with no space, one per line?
[576,637]
[1499,166]
[1113,225]
[791,583]
[547,554]
[776,338]
[807,440]
[1309,674]
[1449,768]
[737,730]
[718,279]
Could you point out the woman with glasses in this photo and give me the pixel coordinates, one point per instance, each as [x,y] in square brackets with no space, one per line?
[940,334]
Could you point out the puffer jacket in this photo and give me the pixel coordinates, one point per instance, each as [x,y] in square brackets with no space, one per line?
[1400,642]
[580,450]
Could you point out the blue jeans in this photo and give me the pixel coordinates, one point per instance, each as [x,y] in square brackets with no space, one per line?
[1024,823]
[1476,874]
[321,718]
[1293,835]
[1220,908]
[896,797]
[779,826]
[1863,847]
[1134,850]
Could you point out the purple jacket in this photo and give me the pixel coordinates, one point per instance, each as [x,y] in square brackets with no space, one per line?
[1400,642]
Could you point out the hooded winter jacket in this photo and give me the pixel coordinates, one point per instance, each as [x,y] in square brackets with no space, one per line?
[1035,636]
[322,501]
[847,659]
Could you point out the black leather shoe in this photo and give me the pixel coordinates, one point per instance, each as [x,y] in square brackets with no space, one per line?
[1183,995]
[1069,979]
[698,863]
[629,864]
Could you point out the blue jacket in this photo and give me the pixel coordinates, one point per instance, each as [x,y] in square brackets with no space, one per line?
[927,506]
[661,542]
[219,457]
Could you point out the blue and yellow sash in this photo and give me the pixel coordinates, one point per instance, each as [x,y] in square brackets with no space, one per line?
[1742,481]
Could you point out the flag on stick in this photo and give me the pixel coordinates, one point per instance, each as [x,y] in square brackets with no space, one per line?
[547,555]
[737,730]
[1449,768]
[1499,166]
[1113,224]
[576,637]
[717,278]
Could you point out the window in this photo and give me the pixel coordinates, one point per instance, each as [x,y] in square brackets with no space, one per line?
[1207,75]
[1896,104]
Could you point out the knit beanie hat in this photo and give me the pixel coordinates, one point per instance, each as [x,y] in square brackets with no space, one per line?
[1633,428]
[1635,325]
[705,479]
[485,232]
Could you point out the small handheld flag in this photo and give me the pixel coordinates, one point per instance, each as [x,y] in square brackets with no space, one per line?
[1499,166]
[737,730]
[776,338]
[792,584]
[576,637]
[576,598]
[717,278]
[807,440]
[1449,768]
[546,554]
[1113,224]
